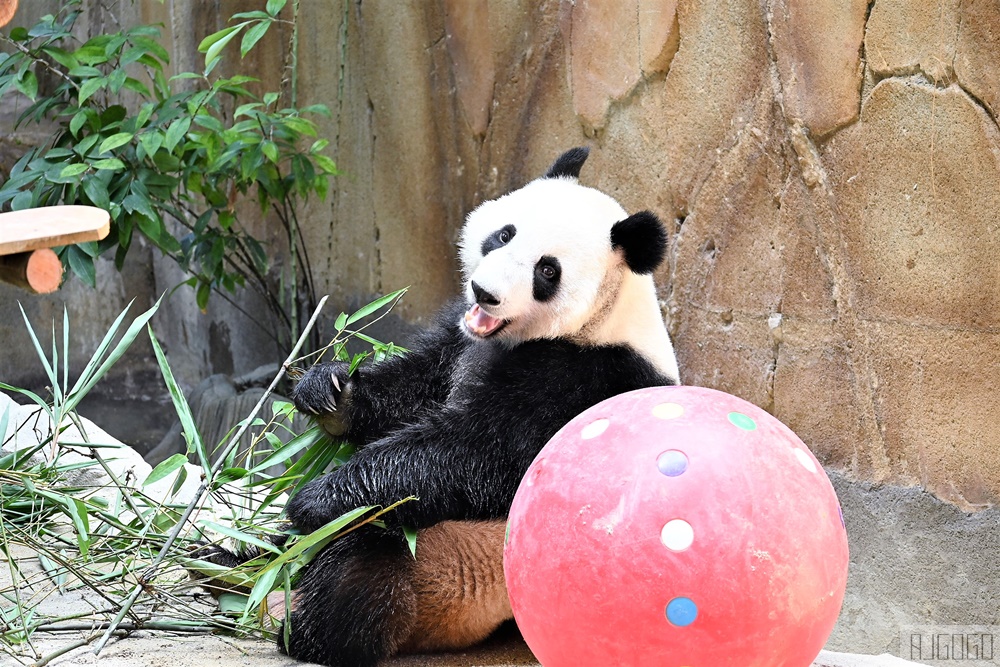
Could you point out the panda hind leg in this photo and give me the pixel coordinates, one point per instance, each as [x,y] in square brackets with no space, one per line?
[354,604]
[460,594]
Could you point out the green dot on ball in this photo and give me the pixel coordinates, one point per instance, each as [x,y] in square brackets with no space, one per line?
[740,420]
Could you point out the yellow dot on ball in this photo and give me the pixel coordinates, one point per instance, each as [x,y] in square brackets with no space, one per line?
[668,411]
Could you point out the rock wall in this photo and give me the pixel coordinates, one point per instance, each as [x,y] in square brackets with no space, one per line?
[830,171]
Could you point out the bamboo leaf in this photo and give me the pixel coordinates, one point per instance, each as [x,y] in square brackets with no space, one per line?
[228,475]
[65,349]
[101,349]
[239,535]
[307,439]
[164,468]
[49,371]
[232,603]
[114,141]
[253,36]
[318,536]
[411,540]
[78,515]
[263,586]
[4,420]
[375,305]
[92,376]
[182,475]
[181,407]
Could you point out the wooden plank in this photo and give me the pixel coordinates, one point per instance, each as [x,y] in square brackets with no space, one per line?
[36,228]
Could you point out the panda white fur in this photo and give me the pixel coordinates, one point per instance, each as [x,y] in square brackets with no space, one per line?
[559,313]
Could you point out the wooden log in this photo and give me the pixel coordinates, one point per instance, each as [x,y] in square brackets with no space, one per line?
[7,9]
[38,271]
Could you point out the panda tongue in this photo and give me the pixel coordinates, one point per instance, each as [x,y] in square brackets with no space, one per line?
[480,322]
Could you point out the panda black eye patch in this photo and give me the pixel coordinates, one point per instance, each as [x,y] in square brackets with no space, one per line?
[546,281]
[498,239]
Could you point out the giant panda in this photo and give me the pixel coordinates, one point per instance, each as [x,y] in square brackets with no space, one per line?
[559,312]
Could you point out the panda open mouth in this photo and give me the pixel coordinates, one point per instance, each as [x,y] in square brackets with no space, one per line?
[481,324]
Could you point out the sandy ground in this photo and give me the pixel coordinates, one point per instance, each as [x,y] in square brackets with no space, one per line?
[152,649]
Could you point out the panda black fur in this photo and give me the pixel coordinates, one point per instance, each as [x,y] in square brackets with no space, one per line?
[560,313]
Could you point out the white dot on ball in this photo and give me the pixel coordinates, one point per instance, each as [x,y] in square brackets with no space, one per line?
[677,535]
[805,460]
[594,429]
[668,411]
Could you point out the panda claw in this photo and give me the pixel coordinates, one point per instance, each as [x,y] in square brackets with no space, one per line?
[336,381]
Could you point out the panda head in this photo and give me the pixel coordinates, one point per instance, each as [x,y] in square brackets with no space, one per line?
[555,259]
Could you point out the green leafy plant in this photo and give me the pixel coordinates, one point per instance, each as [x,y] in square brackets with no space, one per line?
[176,162]
[131,548]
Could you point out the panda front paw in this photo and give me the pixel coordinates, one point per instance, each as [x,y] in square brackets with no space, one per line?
[314,505]
[324,392]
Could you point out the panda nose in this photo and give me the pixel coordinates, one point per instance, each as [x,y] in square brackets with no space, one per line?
[484,298]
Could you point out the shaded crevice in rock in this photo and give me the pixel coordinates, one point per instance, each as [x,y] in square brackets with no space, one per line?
[376,231]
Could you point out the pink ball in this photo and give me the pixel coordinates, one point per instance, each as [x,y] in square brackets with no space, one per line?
[676,526]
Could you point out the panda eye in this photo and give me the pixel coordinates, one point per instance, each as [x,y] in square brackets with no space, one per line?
[546,281]
[498,239]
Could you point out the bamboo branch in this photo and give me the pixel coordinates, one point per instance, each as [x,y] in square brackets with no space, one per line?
[147,577]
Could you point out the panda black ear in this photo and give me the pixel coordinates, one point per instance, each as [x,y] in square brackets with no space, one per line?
[643,239]
[569,163]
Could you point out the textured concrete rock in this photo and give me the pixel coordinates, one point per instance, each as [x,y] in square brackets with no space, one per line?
[915,561]
[903,37]
[471,50]
[930,219]
[817,49]
[696,113]
[978,36]
[613,45]
[831,659]
[918,203]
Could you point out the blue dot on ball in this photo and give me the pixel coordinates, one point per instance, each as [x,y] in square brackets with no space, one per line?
[672,463]
[682,611]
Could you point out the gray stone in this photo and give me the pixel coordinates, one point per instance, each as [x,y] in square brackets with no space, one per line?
[915,561]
